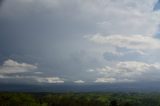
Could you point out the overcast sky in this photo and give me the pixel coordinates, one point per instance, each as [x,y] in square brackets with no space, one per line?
[79,41]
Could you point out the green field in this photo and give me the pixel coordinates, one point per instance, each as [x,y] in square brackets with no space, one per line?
[79,99]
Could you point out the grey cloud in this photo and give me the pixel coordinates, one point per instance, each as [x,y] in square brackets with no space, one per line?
[51,33]
[124,56]
[1,1]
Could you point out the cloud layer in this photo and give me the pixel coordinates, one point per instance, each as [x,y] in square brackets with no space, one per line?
[31,79]
[129,71]
[116,40]
[11,66]
[79,82]
[137,42]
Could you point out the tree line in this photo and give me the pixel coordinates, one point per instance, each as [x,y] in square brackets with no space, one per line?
[79,99]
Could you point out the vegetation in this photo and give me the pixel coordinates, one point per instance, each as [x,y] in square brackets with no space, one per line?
[79,99]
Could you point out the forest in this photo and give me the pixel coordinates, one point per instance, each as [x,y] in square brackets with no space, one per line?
[79,99]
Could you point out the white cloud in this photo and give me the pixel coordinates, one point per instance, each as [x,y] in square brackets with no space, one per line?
[105,80]
[129,71]
[112,80]
[13,67]
[10,66]
[90,70]
[79,81]
[135,42]
[27,78]
[49,80]
[138,66]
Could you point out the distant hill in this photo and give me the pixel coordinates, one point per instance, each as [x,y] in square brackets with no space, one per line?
[130,87]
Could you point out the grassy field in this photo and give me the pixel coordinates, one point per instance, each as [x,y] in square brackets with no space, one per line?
[79,99]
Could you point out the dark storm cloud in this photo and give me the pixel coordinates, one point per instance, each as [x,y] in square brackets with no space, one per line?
[51,37]
[1,1]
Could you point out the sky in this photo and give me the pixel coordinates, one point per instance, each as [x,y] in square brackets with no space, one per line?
[79,41]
